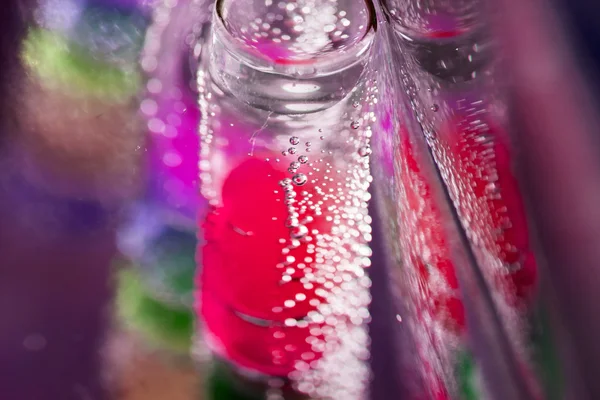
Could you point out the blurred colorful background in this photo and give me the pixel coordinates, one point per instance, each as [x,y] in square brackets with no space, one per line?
[436,231]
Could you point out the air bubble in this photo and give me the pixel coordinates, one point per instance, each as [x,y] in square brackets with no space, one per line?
[299,232]
[364,151]
[303,159]
[294,140]
[435,107]
[292,150]
[294,165]
[299,179]
[291,222]
[355,125]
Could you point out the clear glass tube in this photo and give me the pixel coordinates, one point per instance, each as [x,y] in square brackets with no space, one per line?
[466,266]
[285,130]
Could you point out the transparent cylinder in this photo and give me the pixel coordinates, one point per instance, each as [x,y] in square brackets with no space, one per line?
[284,97]
[468,266]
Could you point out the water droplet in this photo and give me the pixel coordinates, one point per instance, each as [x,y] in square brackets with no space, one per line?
[435,107]
[303,159]
[355,125]
[292,150]
[308,144]
[322,137]
[299,179]
[294,140]
[284,153]
[285,182]
[299,232]
[356,104]
[364,151]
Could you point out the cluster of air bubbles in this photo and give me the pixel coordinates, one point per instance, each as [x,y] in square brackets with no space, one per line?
[301,28]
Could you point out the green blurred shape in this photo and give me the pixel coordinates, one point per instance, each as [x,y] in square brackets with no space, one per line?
[65,66]
[163,325]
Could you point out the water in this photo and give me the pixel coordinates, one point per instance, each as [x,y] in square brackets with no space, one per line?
[284,287]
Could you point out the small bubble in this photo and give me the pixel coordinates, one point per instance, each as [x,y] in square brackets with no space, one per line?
[299,232]
[291,222]
[322,137]
[289,260]
[299,179]
[285,182]
[356,104]
[320,130]
[308,144]
[284,153]
[364,151]
[435,107]
[355,125]
[289,303]
[294,165]
[294,140]
[303,159]
[292,150]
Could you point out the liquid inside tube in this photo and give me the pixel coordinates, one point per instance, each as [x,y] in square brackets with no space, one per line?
[284,163]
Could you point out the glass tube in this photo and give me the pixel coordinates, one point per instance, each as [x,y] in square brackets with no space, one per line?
[284,98]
